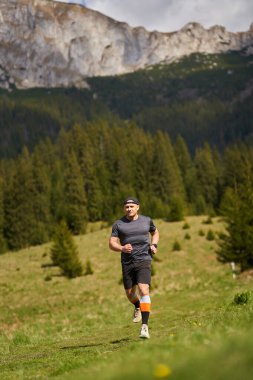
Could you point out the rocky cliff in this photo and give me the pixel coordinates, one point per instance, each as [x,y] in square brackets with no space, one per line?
[49,44]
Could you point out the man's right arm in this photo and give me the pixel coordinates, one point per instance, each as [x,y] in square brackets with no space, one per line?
[114,245]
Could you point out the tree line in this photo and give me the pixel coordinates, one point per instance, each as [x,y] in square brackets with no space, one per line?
[86,173]
[185,97]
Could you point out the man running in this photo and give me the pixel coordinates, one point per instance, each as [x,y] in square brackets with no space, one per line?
[130,236]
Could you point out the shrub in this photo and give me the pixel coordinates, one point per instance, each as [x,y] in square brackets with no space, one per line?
[201,233]
[64,252]
[210,235]
[88,268]
[186,226]
[187,236]
[176,246]
[242,298]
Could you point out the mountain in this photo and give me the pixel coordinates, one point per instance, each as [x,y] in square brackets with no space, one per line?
[50,44]
[203,98]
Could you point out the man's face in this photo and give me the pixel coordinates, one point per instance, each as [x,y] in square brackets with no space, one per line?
[131,209]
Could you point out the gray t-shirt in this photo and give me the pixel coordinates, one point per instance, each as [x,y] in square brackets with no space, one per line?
[134,232]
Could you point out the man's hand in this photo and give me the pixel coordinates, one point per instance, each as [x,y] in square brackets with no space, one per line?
[153,249]
[127,248]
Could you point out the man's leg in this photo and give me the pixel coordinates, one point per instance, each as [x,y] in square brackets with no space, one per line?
[134,299]
[129,281]
[145,302]
[133,296]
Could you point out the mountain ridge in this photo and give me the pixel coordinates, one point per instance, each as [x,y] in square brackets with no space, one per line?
[52,44]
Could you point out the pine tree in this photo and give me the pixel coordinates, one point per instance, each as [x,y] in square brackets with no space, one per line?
[176,212]
[166,179]
[20,218]
[207,175]
[57,196]
[76,211]
[187,170]
[85,146]
[122,162]
[64,252]
[237,243]
[42,184]
[236,163]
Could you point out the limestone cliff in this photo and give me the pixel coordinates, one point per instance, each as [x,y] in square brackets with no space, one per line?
[49,44]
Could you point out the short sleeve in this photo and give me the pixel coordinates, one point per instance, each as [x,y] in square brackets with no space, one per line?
[115,230]
[152,227]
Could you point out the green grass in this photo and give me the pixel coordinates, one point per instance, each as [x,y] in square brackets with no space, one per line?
[82,329]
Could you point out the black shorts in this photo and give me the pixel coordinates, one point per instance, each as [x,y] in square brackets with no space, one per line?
[137,272]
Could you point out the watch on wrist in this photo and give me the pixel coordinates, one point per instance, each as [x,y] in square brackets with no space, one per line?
[155,245]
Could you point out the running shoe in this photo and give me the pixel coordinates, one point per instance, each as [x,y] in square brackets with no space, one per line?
[137,315]
[144,334]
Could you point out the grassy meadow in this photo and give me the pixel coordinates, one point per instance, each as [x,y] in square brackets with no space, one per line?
[55,328]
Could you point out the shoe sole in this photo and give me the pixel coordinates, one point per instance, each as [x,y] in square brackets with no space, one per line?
[144,337]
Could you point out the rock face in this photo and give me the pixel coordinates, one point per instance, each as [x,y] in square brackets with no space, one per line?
[50,44]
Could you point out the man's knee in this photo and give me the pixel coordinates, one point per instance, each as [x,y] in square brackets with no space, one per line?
[144,289]
[130,292]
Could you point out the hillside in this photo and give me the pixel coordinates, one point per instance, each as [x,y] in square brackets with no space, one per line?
[50,44]
[201,97]
[56,328]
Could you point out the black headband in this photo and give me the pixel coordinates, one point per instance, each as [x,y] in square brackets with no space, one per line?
[131,200]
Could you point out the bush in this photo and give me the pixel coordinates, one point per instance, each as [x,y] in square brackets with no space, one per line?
[201,233]
[242,298]
[176,246]
[186,226]
[88,268]
[64,252]
[210,235]
[187,236]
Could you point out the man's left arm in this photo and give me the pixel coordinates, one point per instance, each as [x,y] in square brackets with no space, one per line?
[154,241]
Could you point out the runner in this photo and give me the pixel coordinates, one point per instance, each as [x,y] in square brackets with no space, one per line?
[130,236]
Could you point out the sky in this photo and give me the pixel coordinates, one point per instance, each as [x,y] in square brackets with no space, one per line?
[172,15]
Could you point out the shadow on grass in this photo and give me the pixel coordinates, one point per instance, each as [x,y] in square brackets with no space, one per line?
[48,265]
[118,341]
[82,346]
